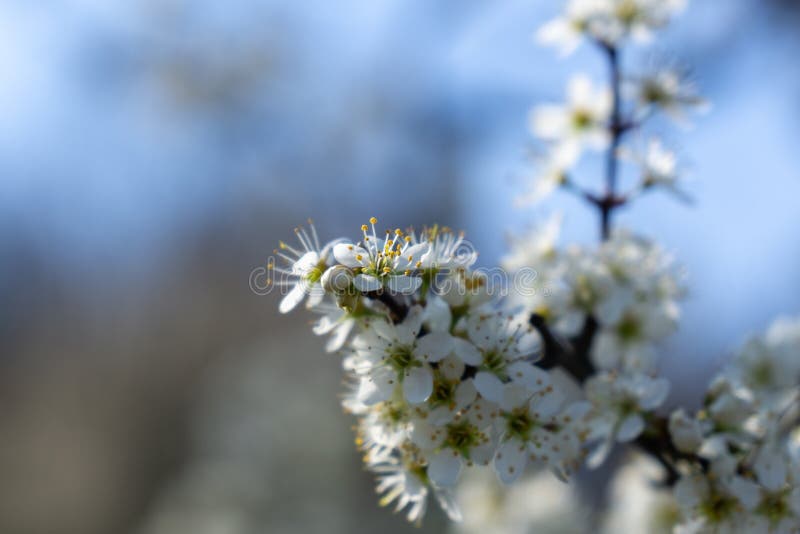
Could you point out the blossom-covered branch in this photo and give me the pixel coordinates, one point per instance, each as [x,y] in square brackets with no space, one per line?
[446,374]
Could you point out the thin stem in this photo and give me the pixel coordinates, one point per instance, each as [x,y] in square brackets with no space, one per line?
[616,128]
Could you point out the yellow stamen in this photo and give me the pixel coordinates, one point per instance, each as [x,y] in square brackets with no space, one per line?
[373,220]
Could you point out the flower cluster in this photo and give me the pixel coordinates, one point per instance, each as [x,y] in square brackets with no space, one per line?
[595,118]
[443,377]
[746,477]
[446,375]
[608,22]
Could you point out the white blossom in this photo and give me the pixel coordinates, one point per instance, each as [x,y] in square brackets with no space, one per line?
[581,122]
[666,90]
[382,262]
[306,265]
[620,404]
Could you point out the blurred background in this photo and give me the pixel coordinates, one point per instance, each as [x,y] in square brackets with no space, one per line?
[153,152]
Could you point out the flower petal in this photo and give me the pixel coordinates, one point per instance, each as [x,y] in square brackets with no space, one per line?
[403,284]
[656,394]
[630,428]
[510,460]
[434,347]
[489,386]
[418,384]
[305,263]
[292,298]
[468,352]
[529,376]
[444,468]
[347,254]
[366,282]
[377,387]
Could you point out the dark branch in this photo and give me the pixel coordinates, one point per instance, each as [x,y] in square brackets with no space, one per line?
[397,310]
[571,356]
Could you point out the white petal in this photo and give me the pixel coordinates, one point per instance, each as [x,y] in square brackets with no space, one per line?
[449,504]
[315,296]
[426,436]
[468,352]
[377,387]
[528,375]
[510,460]
[366,282]
[418,384]
[656,394]
[794,501]
[482,454]
[630,428]
[403,284]
[437,315]
[606,351]
[307,261]
[292,298]
[444,468]
[548,122]
[408,330]
[465,394]
[514,396]
[771,468]
[579,90]
[339,336]
[415,253]
[452,368]
[547,404]
[489,386]
[434,347]
[746,491]
[597,456]
[346,253]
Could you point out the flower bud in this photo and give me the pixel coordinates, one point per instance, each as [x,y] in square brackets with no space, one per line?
[686,432]
[337,279]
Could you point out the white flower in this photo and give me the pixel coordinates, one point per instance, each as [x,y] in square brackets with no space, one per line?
[582,121]
[667,90]
[568,30]
[607,21]
[535,248]
[446,249]
[778,509]
[720,502]
[306,266]
[464,441]
[769,367]
[386,261]
[638,18]
[404,482]
[552,175]
[620,403]
[464,290]
[500,341]
[628,342]
[334,321]
[658,168]
[527,422]
[686,432]
[389,355]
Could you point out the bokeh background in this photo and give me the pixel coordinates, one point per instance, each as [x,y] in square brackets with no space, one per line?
[153,152]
